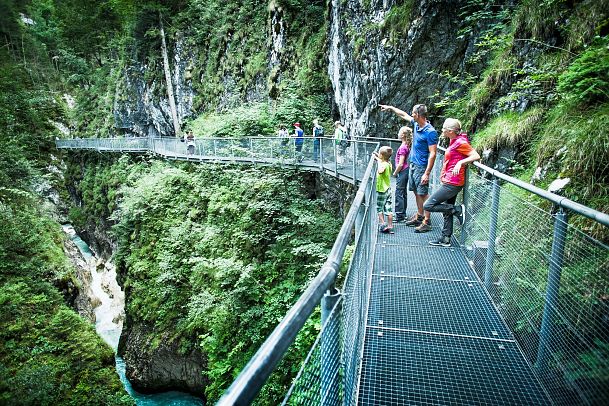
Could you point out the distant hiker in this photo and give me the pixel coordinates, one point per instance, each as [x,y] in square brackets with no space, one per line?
[401,172]
[299,134]
[318,132]
[422,159]
[283,135]
[458,154]
[383,189]
[190,142]
[341,141]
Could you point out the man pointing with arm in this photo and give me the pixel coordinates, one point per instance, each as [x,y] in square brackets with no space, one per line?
[422,159]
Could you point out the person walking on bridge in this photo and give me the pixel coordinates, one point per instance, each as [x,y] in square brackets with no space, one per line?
[318,133]
[341,142]
[452,177]
[422,159]
[190,142]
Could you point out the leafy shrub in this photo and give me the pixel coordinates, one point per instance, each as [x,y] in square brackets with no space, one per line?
[586,81]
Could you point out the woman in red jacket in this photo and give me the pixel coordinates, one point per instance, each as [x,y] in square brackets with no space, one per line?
[452,177]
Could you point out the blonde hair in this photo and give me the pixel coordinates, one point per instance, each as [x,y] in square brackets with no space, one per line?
[385,152]
[405,133]
[453,124]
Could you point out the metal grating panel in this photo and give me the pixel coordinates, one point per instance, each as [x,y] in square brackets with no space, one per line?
[439,306]
[402,368]
[423,262]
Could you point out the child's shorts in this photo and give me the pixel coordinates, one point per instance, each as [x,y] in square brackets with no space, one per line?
[383,202]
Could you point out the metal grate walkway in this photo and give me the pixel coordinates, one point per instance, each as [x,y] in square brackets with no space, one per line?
[433,335]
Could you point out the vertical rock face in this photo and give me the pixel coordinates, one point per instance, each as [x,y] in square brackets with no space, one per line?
[278,39]
[160,367]
[82,297]
[369,64]
[141,107]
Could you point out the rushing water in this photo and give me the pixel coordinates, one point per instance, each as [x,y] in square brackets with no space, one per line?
[109,315]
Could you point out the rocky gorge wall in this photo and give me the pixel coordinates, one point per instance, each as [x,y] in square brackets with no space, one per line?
[370,63]
[141,107]
[380,51]
[150,366]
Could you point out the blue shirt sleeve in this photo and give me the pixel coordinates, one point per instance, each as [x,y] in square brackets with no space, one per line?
[432,138]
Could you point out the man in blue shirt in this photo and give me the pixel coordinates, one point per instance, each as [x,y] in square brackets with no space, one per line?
[422,159]
[299,134]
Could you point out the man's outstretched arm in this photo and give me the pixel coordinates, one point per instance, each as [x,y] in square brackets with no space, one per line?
[398,112]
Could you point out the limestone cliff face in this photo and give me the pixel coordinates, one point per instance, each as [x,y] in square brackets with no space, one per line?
[157,368]
[80,297]
[141,107]
[369,65]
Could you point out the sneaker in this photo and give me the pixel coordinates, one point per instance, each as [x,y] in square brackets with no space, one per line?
[387,230]
[441,242]
[399,220]
[414,221]
[423,228]
[460,214]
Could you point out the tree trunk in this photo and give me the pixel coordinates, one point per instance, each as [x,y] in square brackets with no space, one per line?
[172,103]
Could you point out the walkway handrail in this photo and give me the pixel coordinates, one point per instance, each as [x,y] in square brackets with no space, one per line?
[560,201]
[552,197]
[246,386]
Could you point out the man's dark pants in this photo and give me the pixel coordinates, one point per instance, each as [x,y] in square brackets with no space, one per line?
[443,200]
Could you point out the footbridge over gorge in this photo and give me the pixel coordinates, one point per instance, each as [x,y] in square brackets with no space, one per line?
[515,312]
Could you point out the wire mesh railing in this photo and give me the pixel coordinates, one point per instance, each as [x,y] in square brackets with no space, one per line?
[548,280]
[351,318]
[319,154]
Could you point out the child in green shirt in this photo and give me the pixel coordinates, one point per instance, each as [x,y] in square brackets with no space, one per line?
[383,189]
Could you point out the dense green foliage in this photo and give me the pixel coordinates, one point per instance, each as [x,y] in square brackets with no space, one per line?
[48,354]
[256,118]
[550,104]
[220,268]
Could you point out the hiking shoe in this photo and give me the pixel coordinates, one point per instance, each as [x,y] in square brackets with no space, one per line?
[415,221]
[441,242]
[460,214]
[423,228]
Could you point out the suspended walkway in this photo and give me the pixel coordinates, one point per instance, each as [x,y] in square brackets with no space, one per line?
[515,312]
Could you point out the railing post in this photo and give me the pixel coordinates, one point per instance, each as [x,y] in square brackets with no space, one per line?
[359,220]
[321,154]
[252,149]
[463,235]
[215,154]
[353,147]
[330,348]
[551,302]
[490,254]
[335,159]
